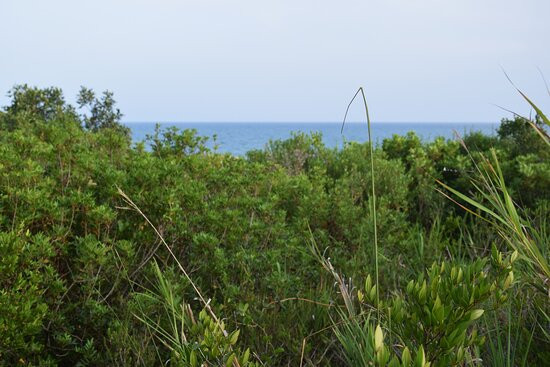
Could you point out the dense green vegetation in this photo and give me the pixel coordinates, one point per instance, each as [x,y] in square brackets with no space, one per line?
[279,243]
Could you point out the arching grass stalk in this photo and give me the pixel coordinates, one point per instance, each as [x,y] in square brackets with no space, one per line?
[373,192]
[542,133]
[206,303]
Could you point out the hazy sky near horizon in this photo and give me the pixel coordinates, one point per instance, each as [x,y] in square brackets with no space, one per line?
[284,60]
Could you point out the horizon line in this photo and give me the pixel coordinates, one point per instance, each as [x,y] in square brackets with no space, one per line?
[308,122]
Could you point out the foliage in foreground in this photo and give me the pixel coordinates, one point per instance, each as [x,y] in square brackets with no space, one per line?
[191,341]
[77,269]
[435,318]
[450,345]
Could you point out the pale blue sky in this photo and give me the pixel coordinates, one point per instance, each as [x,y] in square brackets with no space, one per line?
[283,60]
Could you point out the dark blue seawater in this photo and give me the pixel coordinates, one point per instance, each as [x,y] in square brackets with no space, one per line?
[238,138]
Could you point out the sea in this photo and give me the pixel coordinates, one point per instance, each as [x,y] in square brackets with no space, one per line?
[238,138]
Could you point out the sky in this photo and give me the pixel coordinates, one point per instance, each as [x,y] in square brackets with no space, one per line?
[284,60]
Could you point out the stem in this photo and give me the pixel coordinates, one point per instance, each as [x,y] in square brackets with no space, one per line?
[373,192]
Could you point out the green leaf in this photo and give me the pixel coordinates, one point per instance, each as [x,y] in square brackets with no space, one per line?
[378,338]
[394,362]
[246,356]
[476,314]
[234,337]
[193,359]
[406,358]
[420,359]
[230,360]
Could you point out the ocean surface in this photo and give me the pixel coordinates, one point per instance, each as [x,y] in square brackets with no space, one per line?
[239,138]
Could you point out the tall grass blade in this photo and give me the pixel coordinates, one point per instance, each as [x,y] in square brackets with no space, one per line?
[373,191]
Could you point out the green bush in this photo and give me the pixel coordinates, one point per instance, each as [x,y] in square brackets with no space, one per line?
[29,285]
[75,257]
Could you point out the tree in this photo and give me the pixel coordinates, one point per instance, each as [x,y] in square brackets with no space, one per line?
[31,104]
[102,111]
[520,137]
